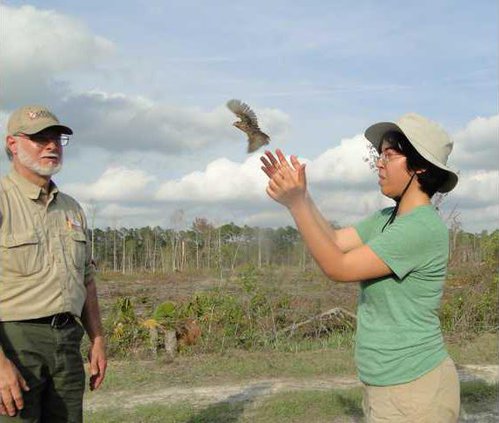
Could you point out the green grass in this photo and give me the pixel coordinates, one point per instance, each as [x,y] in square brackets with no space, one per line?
[481,349]
[290,407]
[311,406]
[307,359]
[232,366]
[477,395]
[235,366]
[219,413]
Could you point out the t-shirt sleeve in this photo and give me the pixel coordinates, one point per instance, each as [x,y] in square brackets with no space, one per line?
[403,246]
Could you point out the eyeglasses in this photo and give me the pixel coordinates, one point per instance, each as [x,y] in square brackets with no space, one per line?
[387,156]
[44,139]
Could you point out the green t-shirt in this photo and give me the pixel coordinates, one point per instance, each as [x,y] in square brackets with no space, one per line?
[398,329]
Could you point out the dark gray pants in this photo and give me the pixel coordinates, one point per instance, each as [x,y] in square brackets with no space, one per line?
[50,361]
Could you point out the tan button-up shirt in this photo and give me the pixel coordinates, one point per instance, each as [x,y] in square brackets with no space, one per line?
[44,251]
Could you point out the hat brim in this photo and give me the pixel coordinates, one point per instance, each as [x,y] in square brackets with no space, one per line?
[43,125]
[375,134]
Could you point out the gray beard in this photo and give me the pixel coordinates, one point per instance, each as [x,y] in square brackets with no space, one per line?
[32,165]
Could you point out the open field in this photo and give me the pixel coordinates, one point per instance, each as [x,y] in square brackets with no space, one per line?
[292,379]
[258,387]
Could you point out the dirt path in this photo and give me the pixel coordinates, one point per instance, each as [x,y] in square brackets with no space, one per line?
[205,395]
[488,373]
[248,391]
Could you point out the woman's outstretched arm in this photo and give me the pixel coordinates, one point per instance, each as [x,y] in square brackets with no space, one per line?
[345,238]
[288,186]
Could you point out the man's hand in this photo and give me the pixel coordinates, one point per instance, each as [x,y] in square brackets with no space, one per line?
[98,362]
[11,386]
[90,317]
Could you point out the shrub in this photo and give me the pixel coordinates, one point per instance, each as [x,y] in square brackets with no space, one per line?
[125,335]
[473,308]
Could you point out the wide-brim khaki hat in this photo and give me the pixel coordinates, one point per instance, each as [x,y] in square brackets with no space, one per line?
[426,136]
[33,119]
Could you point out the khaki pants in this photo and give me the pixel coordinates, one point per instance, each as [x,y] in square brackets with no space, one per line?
[432,398]
[50,361]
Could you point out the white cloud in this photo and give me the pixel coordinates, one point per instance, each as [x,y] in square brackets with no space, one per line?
[117,215]
[221,181]
[477,189]
[269,217]
[341,182]
[477,145]
[113,211]
[343,165]
[39,44]
[478,219]
[347,206]
[115,184]
[47,56]
[227,181]
[118,122]
[476,155]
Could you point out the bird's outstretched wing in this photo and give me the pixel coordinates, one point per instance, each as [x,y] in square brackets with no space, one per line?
[248,124]
[243,112]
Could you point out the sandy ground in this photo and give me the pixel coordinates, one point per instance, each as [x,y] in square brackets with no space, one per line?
[206,395]
[248,391]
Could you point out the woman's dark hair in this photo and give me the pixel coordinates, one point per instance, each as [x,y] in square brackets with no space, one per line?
[433,177]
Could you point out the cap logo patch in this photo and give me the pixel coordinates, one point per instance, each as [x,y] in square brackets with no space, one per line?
[40,114]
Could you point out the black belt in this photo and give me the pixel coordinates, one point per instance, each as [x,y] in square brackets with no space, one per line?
[57,321]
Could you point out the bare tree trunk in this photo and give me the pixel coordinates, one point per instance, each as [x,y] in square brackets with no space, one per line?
[209,249]
[220,251]
[123,260]
[145,258]
[182,256]
[197,250]
[104,261]
[154,253]
[115,252]
[173,251]
[164,259]
[235,257]
[259,249]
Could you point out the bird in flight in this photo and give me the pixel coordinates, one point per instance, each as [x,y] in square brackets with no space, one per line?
[248,124]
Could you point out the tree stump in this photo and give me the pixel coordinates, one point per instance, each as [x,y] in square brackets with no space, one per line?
[170,344]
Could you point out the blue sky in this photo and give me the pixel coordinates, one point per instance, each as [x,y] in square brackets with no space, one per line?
[144,86]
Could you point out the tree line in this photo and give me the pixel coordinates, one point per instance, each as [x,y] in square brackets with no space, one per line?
[223,248]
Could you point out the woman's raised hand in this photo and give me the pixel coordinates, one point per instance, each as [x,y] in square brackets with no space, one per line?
[288,182]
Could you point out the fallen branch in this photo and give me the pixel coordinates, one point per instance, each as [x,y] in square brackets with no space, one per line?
[338,314]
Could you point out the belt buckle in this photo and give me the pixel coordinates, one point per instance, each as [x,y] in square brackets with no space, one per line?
[56,324]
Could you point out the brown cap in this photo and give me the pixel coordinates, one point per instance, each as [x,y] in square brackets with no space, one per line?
[33,119]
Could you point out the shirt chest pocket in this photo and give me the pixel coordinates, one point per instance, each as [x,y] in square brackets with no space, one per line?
[20,254]
[78,249]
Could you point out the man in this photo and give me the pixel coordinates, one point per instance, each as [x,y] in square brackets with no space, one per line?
[46,280]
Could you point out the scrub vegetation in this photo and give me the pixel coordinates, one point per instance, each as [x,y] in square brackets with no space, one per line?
[247,290]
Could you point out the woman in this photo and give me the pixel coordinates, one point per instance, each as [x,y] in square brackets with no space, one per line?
[400,254]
